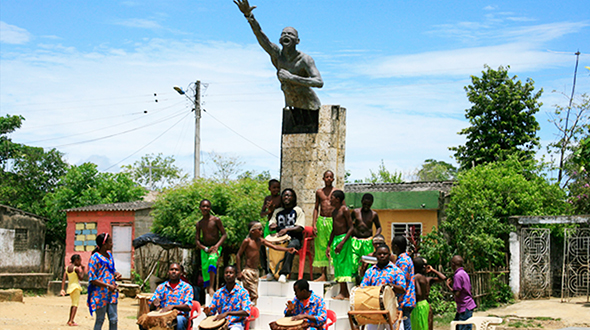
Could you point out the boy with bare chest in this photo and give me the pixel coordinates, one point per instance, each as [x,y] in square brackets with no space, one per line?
[341,244]
[322,224]
[250,248]
[210,244]
[362,236]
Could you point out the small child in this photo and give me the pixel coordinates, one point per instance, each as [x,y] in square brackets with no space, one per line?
[210,244]
[377,240]
[322,224]
[74,272]
[421,316]
[250,247]
[341,244]
[271,202]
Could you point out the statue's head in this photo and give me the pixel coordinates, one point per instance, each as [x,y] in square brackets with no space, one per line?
[289,37]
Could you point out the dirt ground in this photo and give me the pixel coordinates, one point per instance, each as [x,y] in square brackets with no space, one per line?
[51,312]
[543,314]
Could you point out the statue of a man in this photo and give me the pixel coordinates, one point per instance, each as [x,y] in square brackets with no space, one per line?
[296,70]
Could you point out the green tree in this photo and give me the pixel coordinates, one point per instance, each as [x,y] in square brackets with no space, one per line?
[84,185]
[383,175]
[435,170]
[236,202]
[579,173]
[570,121]
[225,167]
[477,214]
[155,172]
[27,173]
[502,119]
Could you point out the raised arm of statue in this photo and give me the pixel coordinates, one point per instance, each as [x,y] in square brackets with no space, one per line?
[272,49]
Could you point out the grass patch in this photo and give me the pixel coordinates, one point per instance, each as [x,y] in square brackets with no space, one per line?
[34,292]
[527,323]
[444,320]
[132,317]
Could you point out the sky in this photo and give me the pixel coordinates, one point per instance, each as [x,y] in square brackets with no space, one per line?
[95,79]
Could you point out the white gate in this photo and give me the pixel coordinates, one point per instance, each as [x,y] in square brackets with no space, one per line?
[575,279]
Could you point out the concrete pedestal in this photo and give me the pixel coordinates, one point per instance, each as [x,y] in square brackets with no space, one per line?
[305,157]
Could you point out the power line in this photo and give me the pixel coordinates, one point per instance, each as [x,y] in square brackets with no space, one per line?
[152,141]
[120,133]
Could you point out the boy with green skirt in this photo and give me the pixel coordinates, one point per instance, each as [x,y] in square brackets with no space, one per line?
[322,224]
[341,244]
[210,244]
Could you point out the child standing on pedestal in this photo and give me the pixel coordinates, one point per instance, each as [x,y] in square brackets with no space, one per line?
[210,244]
[322,224]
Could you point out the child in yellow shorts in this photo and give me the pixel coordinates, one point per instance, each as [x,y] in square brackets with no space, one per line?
[74,272]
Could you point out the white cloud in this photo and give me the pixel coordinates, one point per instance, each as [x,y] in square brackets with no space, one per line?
[11,34]
[139,23]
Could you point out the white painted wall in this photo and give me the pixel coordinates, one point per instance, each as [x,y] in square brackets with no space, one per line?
[10,258]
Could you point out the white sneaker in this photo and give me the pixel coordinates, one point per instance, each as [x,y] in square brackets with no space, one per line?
[283,279]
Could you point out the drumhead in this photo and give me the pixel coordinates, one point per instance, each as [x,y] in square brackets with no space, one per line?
[209,323]
[158,314]
[388,301]
[288,322]
[144,295]
[277,239]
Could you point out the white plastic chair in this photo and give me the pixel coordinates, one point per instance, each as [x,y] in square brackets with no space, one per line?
[479,323]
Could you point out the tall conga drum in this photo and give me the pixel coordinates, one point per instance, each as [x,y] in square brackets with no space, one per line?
[373,298]
[144,303]
[275,257]
[158,321]
[210,324]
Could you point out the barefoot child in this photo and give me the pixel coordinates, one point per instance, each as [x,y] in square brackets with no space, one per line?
[363,220]
[210,244]
[341,244]
[250,247]
[322,224]
[74,272]
[271,202]
[421,316]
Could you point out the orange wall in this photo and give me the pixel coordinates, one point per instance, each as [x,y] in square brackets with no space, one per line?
[428,219]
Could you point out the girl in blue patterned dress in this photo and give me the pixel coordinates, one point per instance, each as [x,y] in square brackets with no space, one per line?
[102,288]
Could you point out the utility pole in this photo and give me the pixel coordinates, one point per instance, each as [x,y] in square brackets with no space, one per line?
[197,129]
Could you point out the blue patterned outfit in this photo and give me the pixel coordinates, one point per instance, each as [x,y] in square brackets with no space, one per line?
[408,301]
[236,300]
[182,294]
[315,307]
[100,299]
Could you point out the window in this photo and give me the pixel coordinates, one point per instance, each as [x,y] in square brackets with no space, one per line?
[21,239]
[85,239]
[408,229]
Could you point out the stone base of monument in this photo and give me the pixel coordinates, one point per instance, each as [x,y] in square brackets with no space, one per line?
[273,297]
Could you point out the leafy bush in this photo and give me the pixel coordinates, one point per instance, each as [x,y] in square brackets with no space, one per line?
[236,203]
[500,293]
[441,301]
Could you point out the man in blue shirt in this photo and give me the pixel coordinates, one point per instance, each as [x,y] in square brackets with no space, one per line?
[307,306]
[231,302]
[174,294]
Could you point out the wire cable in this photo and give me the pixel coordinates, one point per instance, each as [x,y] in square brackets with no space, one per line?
[152,141]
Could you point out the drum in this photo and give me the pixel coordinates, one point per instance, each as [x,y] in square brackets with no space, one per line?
[158,321]
[376,298]
[210,324]
[275,257]
[144,303]
[287,323]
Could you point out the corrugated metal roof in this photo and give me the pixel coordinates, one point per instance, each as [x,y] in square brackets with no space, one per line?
[128,206]
[407,186]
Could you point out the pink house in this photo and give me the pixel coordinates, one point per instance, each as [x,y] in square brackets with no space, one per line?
[124,221]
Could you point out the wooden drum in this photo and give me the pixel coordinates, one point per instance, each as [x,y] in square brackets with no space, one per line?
[158,321]
[287,323]
[373,298]
[144,303]
[210,324]
[275,257]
